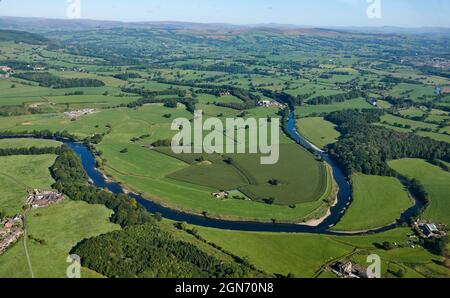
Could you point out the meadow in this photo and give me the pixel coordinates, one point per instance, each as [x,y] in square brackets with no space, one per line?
[60,226]
[436,182]
[376,202]
[306,256]
[318,131]
[308,110]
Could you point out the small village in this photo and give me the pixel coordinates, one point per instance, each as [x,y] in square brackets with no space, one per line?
[12,228]
[79,113]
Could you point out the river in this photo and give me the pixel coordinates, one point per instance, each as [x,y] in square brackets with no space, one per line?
[337,211]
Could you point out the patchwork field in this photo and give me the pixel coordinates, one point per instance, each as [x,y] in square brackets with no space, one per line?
[377,201]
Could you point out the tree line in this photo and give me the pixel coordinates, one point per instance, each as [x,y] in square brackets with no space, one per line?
[46,79]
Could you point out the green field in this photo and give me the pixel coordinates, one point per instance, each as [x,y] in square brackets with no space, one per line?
[377,201]
[306,255]
[318,131]
[61,226]
[20,174]
[436,182]
[358,103]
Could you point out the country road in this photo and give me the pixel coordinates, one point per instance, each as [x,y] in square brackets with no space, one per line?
[25,237]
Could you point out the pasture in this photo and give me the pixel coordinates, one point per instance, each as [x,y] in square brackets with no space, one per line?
[377,201]
[436,182]
[318,131]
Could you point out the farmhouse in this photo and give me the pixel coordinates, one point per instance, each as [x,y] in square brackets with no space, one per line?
[430,230]
[221,195]
[5,72]
[349,270]
[270,104]
[79,113]
[373,102]
[39,199]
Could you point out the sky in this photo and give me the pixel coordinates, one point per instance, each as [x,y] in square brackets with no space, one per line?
[325,13]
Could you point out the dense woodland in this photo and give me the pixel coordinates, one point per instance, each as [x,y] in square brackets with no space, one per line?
[148,251]
[366,148]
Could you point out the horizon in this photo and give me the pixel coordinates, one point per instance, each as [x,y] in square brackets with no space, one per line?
[327,13]
[250,25]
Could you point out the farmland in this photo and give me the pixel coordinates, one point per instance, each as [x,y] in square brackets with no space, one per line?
[306,255]
[318,131]
[349,96]
[60,226]
[436,182]
[377,201]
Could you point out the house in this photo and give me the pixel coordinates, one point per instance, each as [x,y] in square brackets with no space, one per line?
[430,230]
[221,195]
[39,199]
[373,102]
[5,72]
[438,91]
[270,104]
[349,270]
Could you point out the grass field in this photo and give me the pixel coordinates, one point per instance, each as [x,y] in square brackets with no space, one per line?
[61,226]
[358,103]
[377,201]
[19,174]
[318,131]
[436,182]
[250,177]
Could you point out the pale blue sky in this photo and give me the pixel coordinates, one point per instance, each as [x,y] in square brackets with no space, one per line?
[405,13]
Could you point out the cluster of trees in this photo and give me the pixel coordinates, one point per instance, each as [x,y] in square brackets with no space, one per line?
[367,148]
[330,99]
[30,151]
[233,68]
[148,93]
[127,75]
[162,143]
[148,251]
[46,79]
[22,65]
[396,80]
[22,36]
[71,179]
[39,134]
[168,102]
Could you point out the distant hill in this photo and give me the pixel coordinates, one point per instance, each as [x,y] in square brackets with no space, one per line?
[21,36]
[42,25]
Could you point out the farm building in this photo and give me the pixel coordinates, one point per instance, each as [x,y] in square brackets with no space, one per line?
[39,199]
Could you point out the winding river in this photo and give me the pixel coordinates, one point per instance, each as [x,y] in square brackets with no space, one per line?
[336,212]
